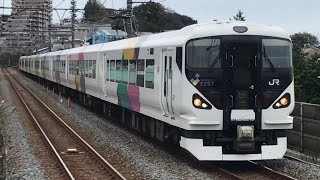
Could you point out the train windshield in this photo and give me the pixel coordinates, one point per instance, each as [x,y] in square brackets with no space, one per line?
[276,54]
[203,54]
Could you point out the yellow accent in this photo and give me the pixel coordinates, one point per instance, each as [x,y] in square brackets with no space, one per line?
[128,52]
[78,87]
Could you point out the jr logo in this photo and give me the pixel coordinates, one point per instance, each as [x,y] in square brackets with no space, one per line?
[274,82]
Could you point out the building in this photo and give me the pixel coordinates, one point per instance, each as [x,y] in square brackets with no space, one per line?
[109,35]
[28,23]
[311,51]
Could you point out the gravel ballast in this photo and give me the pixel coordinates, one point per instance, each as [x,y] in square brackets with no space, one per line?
[20,162]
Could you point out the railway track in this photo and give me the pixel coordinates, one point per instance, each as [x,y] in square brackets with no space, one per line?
[250,170]
[77,159]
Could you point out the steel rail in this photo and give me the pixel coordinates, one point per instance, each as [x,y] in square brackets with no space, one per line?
[66,169]
[273,172]
[86,145]
[230,174]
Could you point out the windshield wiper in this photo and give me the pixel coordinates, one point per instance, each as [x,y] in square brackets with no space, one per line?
[273,69]
[214,62]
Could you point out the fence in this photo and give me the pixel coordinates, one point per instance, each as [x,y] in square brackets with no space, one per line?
[305,135]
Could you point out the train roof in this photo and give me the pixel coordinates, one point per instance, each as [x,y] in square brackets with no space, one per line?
[180,37]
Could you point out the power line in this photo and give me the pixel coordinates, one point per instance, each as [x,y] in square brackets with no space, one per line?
[58,9]
[60,3]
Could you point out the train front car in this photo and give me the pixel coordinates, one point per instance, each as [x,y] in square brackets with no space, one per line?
[240,84]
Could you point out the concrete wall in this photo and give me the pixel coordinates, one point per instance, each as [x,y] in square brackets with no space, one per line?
[305,135]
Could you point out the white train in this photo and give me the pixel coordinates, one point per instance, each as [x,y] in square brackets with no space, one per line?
[222,91]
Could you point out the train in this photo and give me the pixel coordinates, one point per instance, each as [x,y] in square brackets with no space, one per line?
[223,91]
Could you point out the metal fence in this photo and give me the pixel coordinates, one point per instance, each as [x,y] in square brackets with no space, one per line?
[305,135]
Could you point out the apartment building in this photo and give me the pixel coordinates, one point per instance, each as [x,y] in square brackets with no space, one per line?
[28,23]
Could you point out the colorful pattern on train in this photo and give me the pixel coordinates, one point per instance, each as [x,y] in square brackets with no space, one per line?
[129,95]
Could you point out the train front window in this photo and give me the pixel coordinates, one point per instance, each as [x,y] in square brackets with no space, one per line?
[203,54]
[276,54]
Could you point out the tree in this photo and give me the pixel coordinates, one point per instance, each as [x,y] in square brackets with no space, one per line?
[239,16]
[303,39]
[306,72]
[153,17]
[94,11]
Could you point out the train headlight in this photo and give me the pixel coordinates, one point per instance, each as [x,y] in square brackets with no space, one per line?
[283,102]
[199,102]
[204,105]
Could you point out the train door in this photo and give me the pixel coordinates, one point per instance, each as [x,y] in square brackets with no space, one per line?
[242,82]
[166,82]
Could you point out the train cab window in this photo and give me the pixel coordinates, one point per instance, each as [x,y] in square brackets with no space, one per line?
[106,70]
[125,71]
[150,73]
[112,70]
[203,53]
[276,53]
[140,72]
[118,71]
[132,72]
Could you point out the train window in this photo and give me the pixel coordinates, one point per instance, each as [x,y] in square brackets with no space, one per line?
[106,69]
[125,71]
[86,68]
[118,71]
[150,73]
[276,53]
[93,69]
[133,72]
[90,68]
[83,67]
[112,70]
[203,53]
[140,72]
[77,68]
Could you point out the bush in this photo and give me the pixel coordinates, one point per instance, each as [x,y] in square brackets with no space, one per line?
[315,101]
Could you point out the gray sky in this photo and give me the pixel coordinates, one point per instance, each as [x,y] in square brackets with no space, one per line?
[292,15]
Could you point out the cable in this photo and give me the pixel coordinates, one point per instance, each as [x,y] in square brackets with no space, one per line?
[60,3]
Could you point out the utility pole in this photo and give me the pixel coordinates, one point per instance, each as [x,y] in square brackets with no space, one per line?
[73,19]
[49,30]
[130,25]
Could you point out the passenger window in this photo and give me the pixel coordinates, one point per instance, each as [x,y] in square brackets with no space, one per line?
[125,71]
[86,68]
[150,73]
[77,68]
[106,70]
[112,70]
[132,72]
[118,71]
[93,69]
[90,68]
[140,72]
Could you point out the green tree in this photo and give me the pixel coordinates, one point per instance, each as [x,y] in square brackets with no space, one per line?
[306,72]
[303,39]
[239,16]
[153,17]
[94,11]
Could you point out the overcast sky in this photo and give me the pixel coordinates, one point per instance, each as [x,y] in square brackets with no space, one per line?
[292,15]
